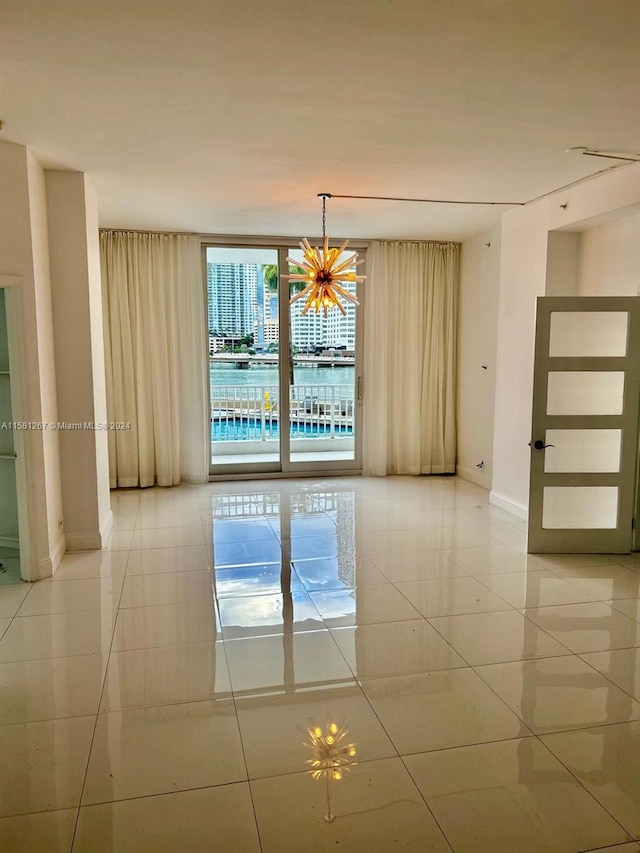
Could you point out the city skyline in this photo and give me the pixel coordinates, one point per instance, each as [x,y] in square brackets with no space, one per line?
[240,305]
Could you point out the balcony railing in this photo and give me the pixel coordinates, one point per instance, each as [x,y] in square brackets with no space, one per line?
[252,412]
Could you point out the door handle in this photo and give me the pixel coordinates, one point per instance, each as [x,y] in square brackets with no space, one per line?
[540,445]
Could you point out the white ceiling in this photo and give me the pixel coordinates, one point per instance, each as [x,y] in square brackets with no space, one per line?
[229,116]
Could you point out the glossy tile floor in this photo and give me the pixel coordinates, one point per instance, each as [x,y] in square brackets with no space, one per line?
[155,697]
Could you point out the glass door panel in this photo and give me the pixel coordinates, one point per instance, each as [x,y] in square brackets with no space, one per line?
[242,297]
[322,381]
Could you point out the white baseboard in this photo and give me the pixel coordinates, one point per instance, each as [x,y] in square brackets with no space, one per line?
[84,542]
[474,475]
[94,540]
[48,566]
[509,505]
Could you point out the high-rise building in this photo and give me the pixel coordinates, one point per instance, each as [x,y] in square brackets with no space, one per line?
[334,330]
[232,292]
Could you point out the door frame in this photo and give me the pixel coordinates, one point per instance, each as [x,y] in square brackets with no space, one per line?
[621,538]
[11,284]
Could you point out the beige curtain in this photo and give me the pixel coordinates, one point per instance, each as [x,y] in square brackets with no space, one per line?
[409,424]
[155,341]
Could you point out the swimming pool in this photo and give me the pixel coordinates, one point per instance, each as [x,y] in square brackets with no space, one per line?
[246,429]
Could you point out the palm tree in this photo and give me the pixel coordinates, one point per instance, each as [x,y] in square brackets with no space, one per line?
[271,278]
[270,274]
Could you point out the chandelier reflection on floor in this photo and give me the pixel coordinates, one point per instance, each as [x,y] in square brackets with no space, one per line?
[331,756]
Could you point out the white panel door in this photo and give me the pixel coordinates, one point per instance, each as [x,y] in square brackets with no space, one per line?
[584,436]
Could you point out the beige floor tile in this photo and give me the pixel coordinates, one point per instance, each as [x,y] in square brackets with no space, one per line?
[605,583]
[218,818]
[535,589]
[126,521]
[91,564]
[622,666]
[167,588]
[4,624]
[628,606]
[260,615]
[166,625]
[367,522]
[461,537]
[632,847]
[509,534]
[154,520]
[237,530]
[45,832]
[260,579]
[165,499]
[481,515]
[43,765]
[395,648]
[119,540]
[416,566]
[630,561]
[164,750]
[554,694]
[153,561]
[274,728]
[451,597]
[11,597]
[365,605]
[591,627]
[263,664]
[58,635]
[338,573]
[400,541]
[251,553]
[377,807]
[496,637]
[510,796]
[50,689]
[571,561]
[440,709]
[68,596]
[605,760]
[500,559]
[165,676]
[167,537]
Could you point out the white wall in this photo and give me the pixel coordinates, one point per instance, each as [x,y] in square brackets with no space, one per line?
[563,262]
[79,358]
[523,277]
[477,334]
[609,259]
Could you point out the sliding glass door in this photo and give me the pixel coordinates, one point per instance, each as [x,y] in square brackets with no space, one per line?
[323,386]
[283,383]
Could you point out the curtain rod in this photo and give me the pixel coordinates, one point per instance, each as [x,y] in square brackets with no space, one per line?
[421,200]
[147,231]
[624,165]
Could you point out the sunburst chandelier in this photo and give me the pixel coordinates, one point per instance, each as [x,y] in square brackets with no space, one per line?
[325,271]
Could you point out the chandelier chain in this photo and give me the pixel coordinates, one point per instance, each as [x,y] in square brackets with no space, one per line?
[324,216]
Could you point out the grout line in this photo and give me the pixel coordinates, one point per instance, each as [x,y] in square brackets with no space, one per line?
[587,791]
[95,726]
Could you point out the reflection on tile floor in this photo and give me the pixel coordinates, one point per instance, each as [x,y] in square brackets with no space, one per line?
[155,696]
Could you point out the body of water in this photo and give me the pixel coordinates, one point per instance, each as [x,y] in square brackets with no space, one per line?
[234,429]
[226,374]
